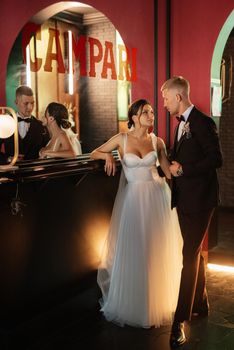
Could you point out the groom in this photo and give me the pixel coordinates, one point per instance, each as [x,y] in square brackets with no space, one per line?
[195,157]
[32,134]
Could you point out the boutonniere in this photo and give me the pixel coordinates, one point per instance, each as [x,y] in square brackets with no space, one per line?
[186,131]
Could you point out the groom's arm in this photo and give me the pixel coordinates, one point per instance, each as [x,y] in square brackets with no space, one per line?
[208,139]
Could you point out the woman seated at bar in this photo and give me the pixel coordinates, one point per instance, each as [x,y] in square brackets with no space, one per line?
[63,142]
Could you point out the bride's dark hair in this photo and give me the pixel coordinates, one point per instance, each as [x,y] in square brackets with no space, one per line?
[134,108]
[60,114]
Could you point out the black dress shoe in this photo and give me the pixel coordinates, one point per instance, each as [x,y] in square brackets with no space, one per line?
[177,337]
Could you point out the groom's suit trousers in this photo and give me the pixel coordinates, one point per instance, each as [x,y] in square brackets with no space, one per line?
[192,294]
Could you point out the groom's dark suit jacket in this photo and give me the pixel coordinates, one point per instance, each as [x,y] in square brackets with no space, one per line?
[198,151]
[36,138]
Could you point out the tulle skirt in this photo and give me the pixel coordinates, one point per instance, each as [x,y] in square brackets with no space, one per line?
[140,269]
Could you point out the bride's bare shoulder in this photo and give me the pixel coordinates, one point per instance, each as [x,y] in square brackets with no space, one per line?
[160,142]
[120,136]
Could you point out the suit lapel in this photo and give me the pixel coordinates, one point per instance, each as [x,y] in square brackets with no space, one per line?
[175,136]
[176,142]
[183,136]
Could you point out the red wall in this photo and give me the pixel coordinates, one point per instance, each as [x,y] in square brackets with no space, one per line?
[133,19]
[195,26]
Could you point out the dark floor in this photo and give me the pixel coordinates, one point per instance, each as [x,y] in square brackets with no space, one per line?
[223,250]
[64,328]
[73,325]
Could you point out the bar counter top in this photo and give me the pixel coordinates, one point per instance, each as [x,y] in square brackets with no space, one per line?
[26,171]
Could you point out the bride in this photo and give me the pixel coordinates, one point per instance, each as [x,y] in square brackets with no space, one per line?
[63,142]
[140,268]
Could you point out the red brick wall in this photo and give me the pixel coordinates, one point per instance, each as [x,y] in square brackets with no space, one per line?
[226,173]
[98,96]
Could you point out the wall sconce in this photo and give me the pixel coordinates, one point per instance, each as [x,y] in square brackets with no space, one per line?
[8,127]
[226,74]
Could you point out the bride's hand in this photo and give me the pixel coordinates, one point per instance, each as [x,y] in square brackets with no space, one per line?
[42,152]
[110,166]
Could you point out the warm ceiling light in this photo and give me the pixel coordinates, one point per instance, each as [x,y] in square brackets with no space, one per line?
[28,68]
[70,76]
[223,268]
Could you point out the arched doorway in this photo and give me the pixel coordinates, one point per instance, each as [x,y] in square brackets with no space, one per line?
[222,95]
[72,53]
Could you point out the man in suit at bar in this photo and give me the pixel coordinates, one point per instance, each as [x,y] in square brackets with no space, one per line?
[195,157]
[32,134]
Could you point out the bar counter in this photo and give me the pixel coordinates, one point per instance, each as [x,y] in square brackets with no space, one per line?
[54,216]
[52,167]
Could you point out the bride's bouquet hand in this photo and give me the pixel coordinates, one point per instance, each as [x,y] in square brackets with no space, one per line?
[110,166]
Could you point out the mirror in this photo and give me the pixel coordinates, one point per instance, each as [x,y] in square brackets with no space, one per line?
[75,57]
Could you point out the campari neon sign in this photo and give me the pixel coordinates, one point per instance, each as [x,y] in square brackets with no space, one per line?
[100,55]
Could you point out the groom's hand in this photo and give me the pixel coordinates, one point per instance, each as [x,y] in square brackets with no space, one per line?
[175,168]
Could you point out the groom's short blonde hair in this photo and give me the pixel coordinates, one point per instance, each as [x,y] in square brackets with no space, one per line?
[23,90]
[178,83]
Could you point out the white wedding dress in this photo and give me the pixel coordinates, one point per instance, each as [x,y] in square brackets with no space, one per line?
[73,138]
[141,264]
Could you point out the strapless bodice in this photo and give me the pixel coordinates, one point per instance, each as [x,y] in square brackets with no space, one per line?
[139,169]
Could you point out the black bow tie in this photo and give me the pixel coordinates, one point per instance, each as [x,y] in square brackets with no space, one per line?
[26,120]
[180,118]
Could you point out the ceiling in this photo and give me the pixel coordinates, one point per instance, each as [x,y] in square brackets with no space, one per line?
[70,6]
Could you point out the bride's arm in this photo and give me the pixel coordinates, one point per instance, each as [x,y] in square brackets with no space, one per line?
[162,157]
[104,152]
